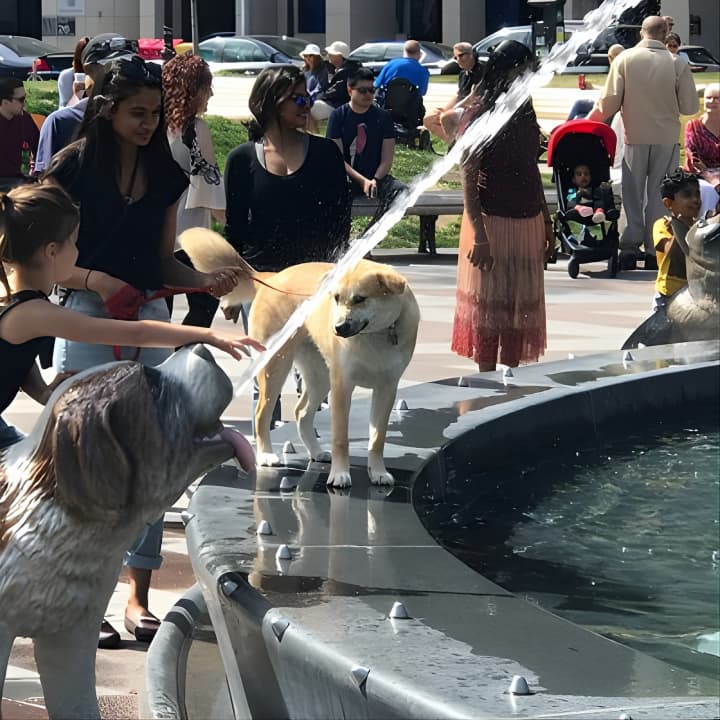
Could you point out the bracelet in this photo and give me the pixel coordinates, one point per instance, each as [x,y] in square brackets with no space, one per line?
[87,277]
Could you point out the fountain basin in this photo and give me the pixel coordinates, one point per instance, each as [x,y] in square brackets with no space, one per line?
[310,635]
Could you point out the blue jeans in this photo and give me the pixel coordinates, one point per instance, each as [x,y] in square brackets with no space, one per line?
[74,356]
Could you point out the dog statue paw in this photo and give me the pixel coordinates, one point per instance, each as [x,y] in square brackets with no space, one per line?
[339,479]
[267,459]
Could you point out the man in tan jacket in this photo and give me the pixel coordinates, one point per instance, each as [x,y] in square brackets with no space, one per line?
[651,88]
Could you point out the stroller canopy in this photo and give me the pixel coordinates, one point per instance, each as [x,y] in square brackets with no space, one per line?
[581,141]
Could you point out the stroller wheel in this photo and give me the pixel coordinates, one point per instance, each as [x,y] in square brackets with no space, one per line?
[573,267]
[613,265]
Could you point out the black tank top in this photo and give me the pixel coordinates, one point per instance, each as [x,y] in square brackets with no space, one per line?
[16,361]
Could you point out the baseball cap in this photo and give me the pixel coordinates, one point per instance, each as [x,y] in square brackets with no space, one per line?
[107,47]
[311,49]
[338,48]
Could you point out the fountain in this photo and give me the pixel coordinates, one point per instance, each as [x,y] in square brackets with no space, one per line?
[336,604]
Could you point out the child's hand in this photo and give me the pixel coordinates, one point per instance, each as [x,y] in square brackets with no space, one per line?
[479,255]
[59,378]
[234,346]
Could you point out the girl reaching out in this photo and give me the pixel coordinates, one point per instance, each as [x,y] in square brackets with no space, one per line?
[38,234]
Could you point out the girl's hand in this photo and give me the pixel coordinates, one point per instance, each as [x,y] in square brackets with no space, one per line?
[221,281]
[59,378]
[549,240]
[234,346]
[370,187]
[479,255]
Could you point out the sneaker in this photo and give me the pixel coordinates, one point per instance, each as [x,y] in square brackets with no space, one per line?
[598,216]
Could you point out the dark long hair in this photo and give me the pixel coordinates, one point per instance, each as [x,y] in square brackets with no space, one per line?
[273,85]
[96,138]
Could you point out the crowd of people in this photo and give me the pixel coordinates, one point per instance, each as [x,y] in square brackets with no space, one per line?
[134,154]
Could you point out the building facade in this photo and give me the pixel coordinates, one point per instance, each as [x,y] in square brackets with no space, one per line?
[354,21]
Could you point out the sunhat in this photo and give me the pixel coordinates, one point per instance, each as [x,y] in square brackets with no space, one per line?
[311,49]
[338,48]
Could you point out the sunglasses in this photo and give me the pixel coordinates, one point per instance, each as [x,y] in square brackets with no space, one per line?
[301,99]
[364,90]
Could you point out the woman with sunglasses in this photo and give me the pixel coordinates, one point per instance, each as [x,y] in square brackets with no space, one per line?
[17,130]
[288,200]
[123,176]
[287,195]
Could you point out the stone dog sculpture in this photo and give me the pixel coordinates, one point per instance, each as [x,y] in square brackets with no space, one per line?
[114,447]
[692,313]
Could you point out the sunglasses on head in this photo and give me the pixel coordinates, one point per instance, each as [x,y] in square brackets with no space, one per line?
[364,90]
[301,99]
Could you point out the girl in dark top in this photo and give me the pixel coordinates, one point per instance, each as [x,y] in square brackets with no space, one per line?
[128,186]
[38,233]
[288,200]
[505,230]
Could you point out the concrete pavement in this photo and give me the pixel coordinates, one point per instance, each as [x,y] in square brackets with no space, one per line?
[592,313]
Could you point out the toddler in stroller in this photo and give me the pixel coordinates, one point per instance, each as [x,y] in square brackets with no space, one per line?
[581,153]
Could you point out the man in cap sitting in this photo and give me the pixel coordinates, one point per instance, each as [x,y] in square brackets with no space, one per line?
[337,93]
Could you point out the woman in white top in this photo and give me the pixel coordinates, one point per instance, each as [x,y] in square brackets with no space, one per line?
[67,88]
[187,86]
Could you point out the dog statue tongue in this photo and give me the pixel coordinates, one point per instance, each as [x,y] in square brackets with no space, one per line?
[243,450]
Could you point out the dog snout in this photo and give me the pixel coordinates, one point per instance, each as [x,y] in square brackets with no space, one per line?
[344,329]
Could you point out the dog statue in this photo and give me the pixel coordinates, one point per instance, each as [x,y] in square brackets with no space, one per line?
[693,312]
[112,450]
[362,334]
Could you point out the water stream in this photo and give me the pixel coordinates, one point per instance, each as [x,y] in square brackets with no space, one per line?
[478,134]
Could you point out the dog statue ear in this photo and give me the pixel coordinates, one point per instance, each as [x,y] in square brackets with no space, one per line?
[394,284]
[102,424]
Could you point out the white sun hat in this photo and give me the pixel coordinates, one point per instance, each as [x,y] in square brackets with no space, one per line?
[338,48]
[311,49]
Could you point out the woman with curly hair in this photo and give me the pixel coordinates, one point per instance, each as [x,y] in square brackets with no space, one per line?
[187,87]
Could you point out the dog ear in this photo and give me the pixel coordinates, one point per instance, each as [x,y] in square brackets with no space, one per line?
[394,284]
[104,426]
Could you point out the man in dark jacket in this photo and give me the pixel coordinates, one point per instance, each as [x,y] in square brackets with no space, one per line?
[336,93]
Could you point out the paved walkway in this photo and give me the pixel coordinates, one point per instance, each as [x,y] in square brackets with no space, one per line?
[590,314]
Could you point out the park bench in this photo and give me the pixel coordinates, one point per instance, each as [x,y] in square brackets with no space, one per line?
[429,206]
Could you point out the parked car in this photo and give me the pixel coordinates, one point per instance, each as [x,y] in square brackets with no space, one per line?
[243,54]
[19,53]
[291,46]
[437,58]
[700,58]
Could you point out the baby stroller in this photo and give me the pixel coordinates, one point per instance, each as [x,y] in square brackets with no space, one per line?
[593,144]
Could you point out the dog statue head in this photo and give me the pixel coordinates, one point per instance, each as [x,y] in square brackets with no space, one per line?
[124,438]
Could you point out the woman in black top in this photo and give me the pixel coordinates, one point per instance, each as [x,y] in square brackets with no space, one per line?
[288,199]
[123,175]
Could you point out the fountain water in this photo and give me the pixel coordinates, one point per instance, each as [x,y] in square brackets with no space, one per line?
[478,134]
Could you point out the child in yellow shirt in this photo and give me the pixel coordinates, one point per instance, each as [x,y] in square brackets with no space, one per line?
[681,196]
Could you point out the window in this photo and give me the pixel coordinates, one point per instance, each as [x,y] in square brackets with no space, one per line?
[237,50]
[211,50]
[311,16]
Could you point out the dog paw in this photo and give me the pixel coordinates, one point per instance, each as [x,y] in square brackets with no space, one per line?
[322,457]
[267,459]
[339,479]
[381,477]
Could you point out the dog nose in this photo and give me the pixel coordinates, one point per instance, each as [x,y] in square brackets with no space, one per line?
[343,329]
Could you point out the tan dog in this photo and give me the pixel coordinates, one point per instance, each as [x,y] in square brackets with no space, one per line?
[362,334]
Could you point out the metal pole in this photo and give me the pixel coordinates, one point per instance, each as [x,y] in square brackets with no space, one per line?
[194,26]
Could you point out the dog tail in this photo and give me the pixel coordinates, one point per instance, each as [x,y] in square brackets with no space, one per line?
[209,251]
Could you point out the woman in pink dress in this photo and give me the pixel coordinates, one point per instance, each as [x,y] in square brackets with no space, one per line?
[702,149]
[500,299]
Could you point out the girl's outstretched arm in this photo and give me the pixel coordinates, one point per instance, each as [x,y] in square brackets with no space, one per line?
[38,318]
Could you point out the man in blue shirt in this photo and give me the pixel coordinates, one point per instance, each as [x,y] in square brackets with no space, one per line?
[407,67]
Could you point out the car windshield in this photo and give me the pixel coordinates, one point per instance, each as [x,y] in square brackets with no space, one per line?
[369,52]
[443,51]
[26,46]
[521,35]
[700,55]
